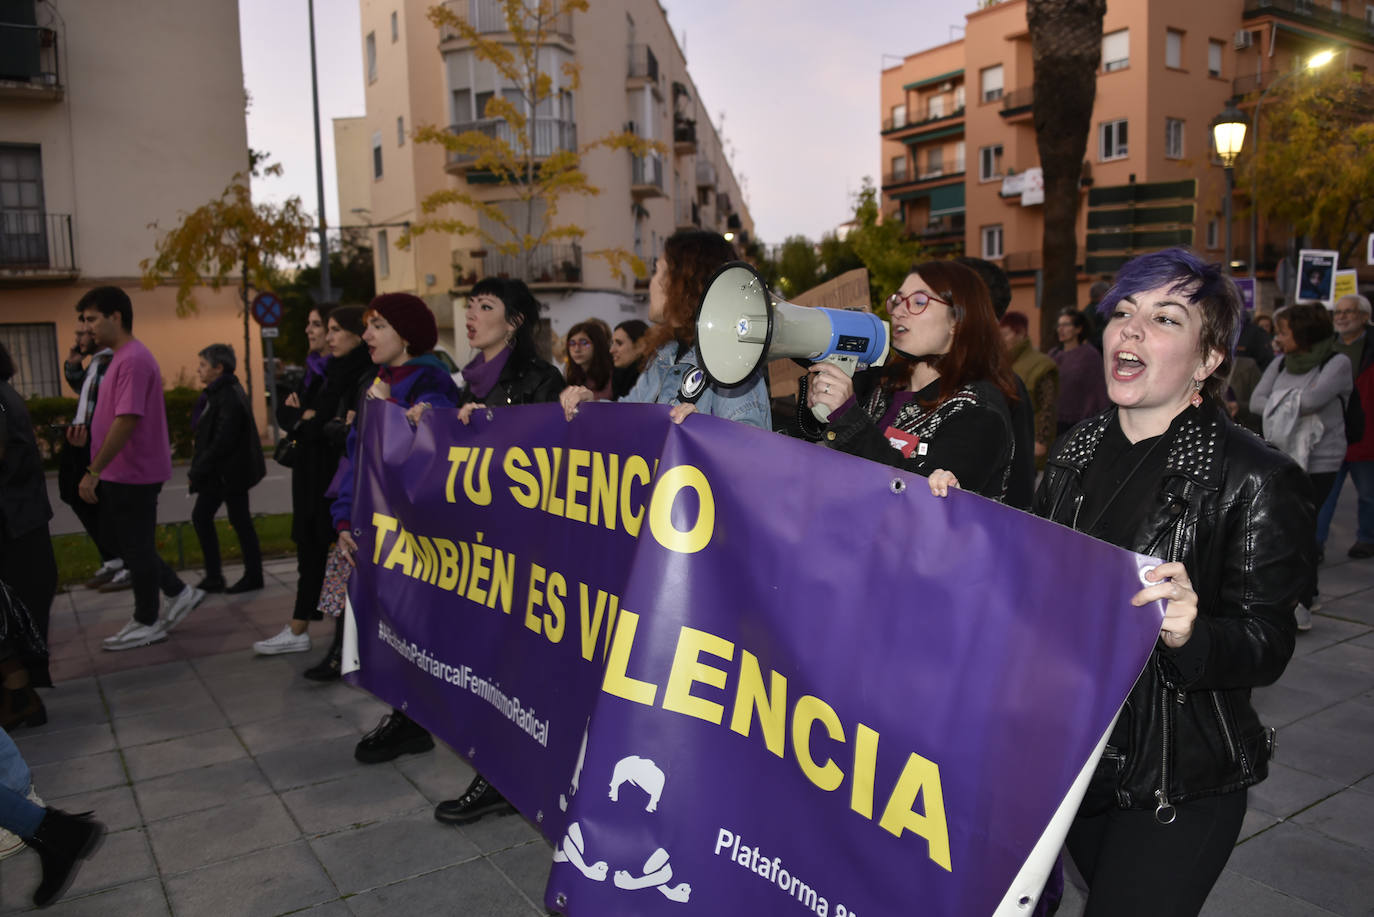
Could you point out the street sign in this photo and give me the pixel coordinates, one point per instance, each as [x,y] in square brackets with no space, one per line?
[267,310]
[270,332]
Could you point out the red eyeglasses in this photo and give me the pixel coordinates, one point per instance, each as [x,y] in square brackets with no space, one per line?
[916,302]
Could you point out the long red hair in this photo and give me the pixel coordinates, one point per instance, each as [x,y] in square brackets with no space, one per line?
[977,352]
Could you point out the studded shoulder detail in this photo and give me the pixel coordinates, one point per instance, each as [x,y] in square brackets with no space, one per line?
[1195,452]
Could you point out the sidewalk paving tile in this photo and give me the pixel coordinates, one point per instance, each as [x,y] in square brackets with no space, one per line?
[1305,864]
[475,887]
[211,835]
[79,775]
[365,797]
[174,755]
[379,854]
[200,788]
[273,881]
[1349,818]
[143,899]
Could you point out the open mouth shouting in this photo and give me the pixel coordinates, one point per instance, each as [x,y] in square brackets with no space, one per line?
[1126,365]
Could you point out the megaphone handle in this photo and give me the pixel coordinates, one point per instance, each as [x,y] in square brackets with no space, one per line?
[820,412]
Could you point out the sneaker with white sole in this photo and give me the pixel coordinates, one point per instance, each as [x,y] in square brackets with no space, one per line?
[284,642]
[107,572]
[133,635]
[1303,614]
[181,606]
[120,581]
[11,843]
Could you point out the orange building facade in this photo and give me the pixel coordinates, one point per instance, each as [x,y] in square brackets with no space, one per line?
[959,158]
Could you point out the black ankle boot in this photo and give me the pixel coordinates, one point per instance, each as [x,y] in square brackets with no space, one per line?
[396,735]
[327,669]
[211,583]
[62,841]
[248,583]
[479,799]
[22,707]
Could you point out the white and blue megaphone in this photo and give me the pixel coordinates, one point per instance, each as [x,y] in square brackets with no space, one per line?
[742,325]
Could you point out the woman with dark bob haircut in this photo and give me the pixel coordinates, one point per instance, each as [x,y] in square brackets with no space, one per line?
[947,390]
[1166,473]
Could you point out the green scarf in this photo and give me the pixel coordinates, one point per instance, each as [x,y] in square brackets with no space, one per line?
[1304,361]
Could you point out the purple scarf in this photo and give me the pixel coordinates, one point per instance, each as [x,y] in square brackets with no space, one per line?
[482,374]
[314,366]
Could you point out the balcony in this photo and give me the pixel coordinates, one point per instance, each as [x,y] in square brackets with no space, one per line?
[36,246]
[942,228]
[547,136]
[549,266]
[684,136]
[687,214]
[897,124]
[29,65]
[643,68]
[1017,104]
[646,177]
[1310,14]
[931,176]
[489,18]
[706,173]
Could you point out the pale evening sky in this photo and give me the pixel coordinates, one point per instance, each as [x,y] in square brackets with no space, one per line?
[797,82]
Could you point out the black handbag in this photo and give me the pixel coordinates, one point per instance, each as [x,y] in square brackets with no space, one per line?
[287,450]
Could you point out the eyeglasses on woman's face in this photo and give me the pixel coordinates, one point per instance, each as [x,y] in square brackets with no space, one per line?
[579,343]
[915,302]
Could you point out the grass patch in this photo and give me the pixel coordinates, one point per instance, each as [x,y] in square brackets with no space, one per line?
[77,558]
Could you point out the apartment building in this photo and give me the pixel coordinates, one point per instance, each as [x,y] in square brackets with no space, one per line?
[633,77]
[960,166]
[113,116]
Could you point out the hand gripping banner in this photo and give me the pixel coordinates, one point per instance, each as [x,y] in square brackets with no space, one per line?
[726,672]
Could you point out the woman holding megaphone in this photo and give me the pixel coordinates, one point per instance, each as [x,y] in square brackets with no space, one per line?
[671,372]
[940,408]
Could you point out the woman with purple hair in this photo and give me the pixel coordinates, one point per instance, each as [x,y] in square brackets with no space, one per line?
[1167,473]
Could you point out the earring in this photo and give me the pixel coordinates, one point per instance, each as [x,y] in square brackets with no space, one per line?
[1196,400]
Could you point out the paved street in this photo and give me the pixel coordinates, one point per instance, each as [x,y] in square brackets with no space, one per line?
[229,787]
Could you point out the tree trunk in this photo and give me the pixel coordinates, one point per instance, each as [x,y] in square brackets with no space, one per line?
[1066,47]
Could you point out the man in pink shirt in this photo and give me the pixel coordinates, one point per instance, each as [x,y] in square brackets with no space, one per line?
[131,458]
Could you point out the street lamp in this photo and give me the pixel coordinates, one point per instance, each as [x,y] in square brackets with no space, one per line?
[1228,136]
[1320,59]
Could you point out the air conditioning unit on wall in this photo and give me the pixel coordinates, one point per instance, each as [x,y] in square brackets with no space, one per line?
[1244,39]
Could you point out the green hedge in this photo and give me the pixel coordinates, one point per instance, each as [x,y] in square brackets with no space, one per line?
[48,411]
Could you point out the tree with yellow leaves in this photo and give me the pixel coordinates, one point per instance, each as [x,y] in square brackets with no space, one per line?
[1315,165]
[227,235]
[534,160]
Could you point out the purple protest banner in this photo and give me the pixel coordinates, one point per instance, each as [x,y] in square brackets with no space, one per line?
[804,683]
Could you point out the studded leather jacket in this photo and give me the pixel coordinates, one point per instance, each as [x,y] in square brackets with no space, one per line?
[1238,514]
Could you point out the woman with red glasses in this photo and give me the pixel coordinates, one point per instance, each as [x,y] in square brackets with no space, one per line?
[589,359]
[939,407]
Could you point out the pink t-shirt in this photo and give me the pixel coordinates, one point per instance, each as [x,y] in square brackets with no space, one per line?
[133,385]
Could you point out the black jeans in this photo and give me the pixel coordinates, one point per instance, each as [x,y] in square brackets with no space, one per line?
[1136,867]
[203,520]
[1322,482]
[28,567]
[312,554]
[129,513]
[71,468]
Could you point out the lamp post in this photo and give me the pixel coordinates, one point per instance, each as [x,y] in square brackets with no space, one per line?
[1320,59]
[1228,135]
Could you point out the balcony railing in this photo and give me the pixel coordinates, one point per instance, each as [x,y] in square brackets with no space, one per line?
[29,61]
[684,133]
[646,172]
[896,178]
[489,16]
[31,240]
[643,64]
[1018,101]
[943,226]
[547,136]
[687,214]
[896,124]
[548,264]
[1309,12]
[706,173]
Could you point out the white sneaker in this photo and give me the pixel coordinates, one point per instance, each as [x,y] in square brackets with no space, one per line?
[181,606]
[1303,614]
[120,581]
[133,635]
[284,642]
[10,843]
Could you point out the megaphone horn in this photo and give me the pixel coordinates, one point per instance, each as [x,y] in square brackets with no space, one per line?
[741,325]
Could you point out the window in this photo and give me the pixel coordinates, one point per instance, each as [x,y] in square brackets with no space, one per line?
[899,116]
[1173,49]
[959,97]
[376,156]
[1173,138]
[1116,50]
[395,27]
[383,255]
[1213,233]
[936,108]
[23,223]
[372,57]
[1214,58]
[898,168]
[990,162]
[1369,13]
[935,161]
[959,156]
[400,131]
[990,81]
[1111,140]
[992,241]
[33,348]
